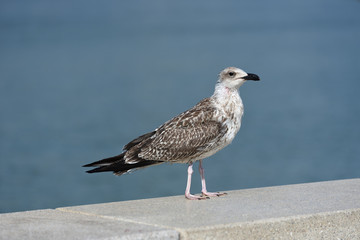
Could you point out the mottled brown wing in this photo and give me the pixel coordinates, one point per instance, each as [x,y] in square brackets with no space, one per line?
[184,136]
[176,144]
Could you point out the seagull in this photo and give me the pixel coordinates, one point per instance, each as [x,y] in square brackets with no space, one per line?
[191,136]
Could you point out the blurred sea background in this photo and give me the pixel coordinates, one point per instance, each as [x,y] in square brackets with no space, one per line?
[79,79]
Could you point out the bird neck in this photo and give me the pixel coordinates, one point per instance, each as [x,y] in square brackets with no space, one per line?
[229,105]
[224,94]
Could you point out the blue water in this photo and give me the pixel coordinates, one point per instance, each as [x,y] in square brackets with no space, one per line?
[79,79]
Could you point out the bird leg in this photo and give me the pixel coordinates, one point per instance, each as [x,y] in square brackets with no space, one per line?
[188,185]
[203,184]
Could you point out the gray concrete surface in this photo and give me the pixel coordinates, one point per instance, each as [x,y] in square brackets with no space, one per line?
[323,210]
[54,224]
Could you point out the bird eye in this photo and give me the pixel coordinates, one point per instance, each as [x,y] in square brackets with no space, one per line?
[231,74]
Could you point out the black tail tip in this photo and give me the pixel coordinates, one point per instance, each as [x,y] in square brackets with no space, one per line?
[91,171]
[87,165]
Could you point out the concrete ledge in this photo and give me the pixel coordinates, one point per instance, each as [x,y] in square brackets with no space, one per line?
[55,224]
[323,210]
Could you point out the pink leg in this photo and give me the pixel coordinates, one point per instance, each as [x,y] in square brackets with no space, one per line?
[203,184]
[188,185]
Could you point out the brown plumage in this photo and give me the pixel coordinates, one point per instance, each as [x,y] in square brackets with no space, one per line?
[181,139]
[193,135]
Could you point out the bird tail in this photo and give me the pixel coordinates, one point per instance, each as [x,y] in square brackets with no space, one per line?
[118,166]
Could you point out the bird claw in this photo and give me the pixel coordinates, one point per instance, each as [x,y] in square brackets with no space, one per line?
[194,197]
[213,194]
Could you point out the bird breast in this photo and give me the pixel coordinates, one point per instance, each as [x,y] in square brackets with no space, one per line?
[230,110]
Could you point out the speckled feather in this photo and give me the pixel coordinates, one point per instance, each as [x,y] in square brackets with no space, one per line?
[184,137]
[193,135]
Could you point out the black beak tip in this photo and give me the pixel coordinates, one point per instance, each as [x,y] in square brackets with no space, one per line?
[252,76]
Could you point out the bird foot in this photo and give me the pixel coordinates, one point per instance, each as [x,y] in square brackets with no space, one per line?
[213,194]
[194,197]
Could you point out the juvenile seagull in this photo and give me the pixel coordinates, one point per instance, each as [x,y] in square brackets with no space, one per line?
[193,135]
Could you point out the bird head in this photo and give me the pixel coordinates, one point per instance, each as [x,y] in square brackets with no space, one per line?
[233,77]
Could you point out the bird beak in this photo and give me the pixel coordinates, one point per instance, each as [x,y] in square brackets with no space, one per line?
[251,76]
